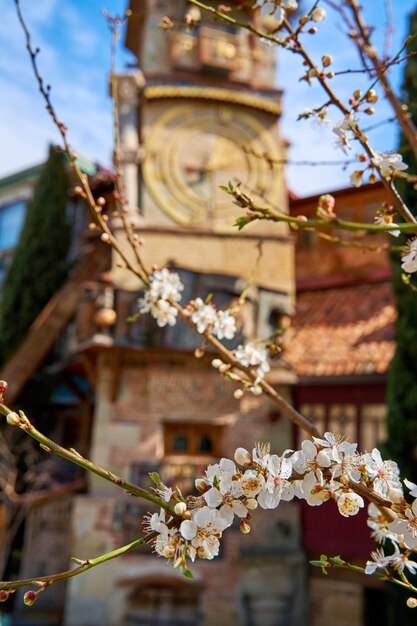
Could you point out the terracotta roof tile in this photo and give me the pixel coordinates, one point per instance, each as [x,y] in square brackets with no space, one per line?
[342,331]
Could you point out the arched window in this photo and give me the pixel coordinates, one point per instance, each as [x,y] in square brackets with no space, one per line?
[164,601]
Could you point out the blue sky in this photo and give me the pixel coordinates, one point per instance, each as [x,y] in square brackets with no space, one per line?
[74,59]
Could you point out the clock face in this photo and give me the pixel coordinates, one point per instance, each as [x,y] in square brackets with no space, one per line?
[193,149]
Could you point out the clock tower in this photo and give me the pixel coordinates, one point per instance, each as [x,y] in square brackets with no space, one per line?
[196,114]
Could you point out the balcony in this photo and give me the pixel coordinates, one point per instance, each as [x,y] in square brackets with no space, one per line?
[107,317]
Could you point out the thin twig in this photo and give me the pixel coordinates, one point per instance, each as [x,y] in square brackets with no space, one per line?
[76,458]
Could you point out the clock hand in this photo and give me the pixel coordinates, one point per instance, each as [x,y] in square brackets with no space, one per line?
[192,169]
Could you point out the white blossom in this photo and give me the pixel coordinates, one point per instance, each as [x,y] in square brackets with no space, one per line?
[349,503]
[343,130]
[164,313]
[411,486]
[386,220]
[204,315]
[164,492]
[276,486]
[251,355]
[261,453]
[166,285]
[318,117]
[407,527]
[157,523]
[400,561]
[397,560]
[388,164]
[379,560]
[228,501]
[385,474]
[313,489]
[276,8]
[224,325]
[251,483]
[204,532]
[164,288]
[377,522]
[409,256]
[221,474]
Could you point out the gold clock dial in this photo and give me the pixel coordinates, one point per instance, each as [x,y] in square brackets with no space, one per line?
[194,149]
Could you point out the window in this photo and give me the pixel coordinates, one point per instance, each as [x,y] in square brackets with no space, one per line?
[373,425]
[316,413]
[192,439]
[361,423]
[11,222]
[343,421]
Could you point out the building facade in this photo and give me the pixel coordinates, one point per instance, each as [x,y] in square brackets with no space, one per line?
[192,118]
[340,345]
[195,114]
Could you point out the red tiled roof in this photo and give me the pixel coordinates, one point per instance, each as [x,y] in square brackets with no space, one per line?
[342,331]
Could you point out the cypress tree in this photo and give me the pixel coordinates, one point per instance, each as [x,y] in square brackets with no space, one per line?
[402,375]
[39,264]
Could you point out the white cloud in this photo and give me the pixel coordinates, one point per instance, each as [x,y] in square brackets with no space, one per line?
[74,60]
[79,86]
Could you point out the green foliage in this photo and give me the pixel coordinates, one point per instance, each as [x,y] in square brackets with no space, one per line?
[402,376]
[39,265]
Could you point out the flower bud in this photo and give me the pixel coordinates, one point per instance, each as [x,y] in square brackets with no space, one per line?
[327,60]
[180,508]
[13,419]
[356,178]
[303,20]
[371,96]
[199,352]
[357,94]
[411,603]
[3,387]
[105,237]
[327,201]
[4,595]
[373,178]
[238,394]
[216,363]
[318,14]
[243,457]
[224,367]
[201,485]
[244,527]
[369,111]
[251,504]
[30,597]
[101,201]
